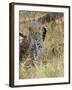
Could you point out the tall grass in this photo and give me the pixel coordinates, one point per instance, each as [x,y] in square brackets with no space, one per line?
[55,68]
[51,62]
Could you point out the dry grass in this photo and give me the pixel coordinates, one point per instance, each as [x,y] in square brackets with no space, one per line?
[51,62]
[48,69]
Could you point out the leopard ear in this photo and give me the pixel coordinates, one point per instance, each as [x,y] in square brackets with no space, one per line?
[44,31]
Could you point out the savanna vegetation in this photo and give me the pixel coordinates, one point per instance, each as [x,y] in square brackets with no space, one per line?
[51,62]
